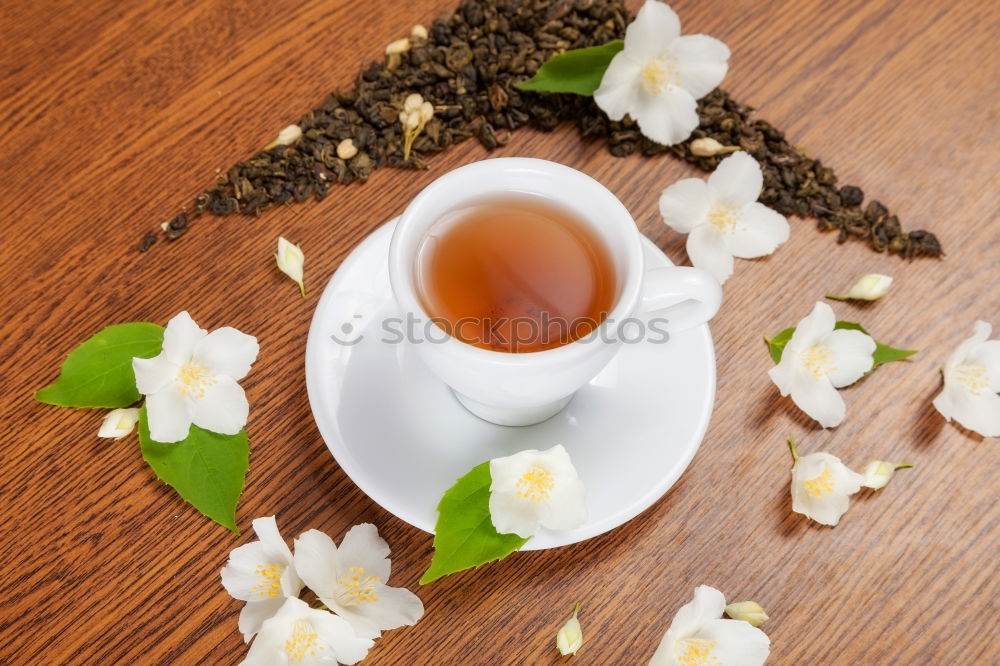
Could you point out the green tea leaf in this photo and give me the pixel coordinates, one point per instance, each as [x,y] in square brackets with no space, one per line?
[882,354]
[578,71]
[464,536]
[98,373]
[205,468]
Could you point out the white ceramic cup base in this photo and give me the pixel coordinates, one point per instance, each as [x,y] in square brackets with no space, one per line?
[513,416]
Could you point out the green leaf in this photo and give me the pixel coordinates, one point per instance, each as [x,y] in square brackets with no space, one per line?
[579,71]
[882,354]
[98,373]
[464,536]
[776,345]
[205,468]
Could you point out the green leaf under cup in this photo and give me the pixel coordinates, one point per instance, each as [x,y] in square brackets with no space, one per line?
[464,535]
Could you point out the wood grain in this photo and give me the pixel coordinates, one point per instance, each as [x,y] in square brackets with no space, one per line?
[115,114]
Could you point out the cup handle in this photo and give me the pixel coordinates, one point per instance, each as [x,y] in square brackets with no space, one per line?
[686,296]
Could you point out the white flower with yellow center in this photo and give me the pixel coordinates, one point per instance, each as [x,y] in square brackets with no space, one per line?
[818,360]
[194,380]
[722,216]
[971,383]
[699,636]
[659,75]
[261,574]
[298,635]
[536,488]
[351,580]
[822,485]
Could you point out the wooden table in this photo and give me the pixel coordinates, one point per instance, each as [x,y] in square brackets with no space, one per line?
[116,114]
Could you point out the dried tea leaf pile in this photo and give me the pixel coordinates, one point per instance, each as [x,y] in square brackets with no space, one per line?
[466,66]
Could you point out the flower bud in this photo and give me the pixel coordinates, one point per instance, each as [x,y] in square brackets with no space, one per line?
[878,472]
[346,149]
[291,262]
[397,47]
[286,137]
[412,102]
[868,288]
[707,147]
[426,111]
[570,636]
[748,611]
[119,422]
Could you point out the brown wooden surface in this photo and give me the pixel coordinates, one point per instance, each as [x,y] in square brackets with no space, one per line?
[115,114]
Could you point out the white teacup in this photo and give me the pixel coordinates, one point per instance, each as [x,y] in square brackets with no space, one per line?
[526,388]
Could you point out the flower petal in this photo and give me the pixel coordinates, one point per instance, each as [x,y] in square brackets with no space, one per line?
[360,624]
[169,415]
[226,351]
[239,576]
[981,331]
[652,31]
[758,232]
[153,374]
[852,355]
[667,118]
[339,638]
[620,87]
[317,563]
[817,397]
[511,514]
[567,508]
[684,205]
[363,547]
[810,330]
[980,413]
[736,181]
[223,408]
[737,643]
[702,61]
[180,338]
[277,550]
[269,645]
[708,251]
[266,529]
[255,613]
[708,604]
[846,480]
[783,375]
[395,607]
[987,354]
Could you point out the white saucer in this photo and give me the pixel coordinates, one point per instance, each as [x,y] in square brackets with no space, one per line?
[403,438]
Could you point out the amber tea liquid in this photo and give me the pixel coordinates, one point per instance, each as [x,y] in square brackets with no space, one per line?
[517,273]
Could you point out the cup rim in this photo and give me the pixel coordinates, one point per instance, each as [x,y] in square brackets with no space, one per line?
[401,268]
